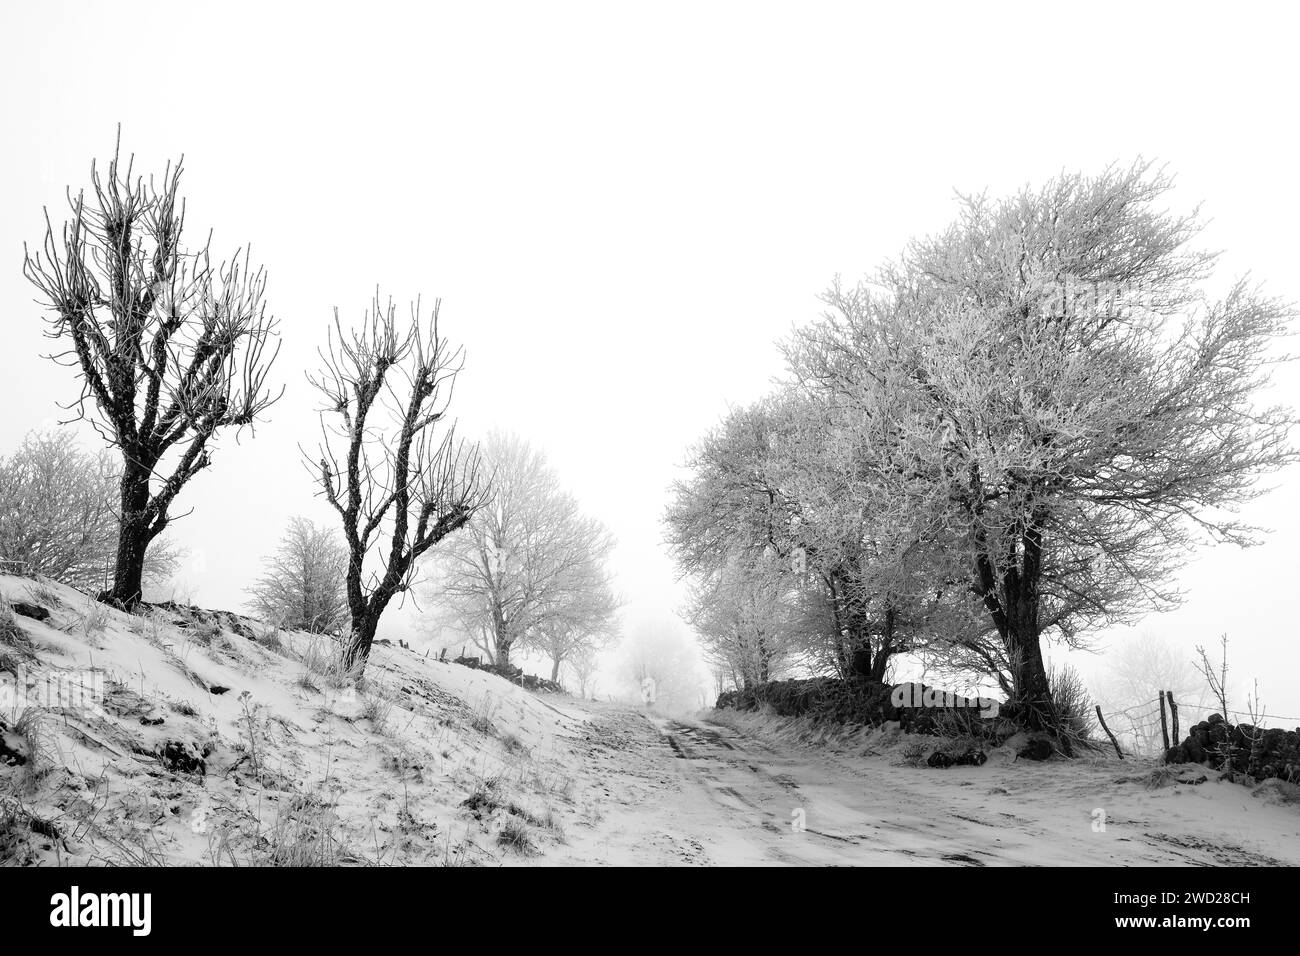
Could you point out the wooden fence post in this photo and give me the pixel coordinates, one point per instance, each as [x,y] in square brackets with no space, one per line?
[1102,720]
[1164,723]
[1173,712]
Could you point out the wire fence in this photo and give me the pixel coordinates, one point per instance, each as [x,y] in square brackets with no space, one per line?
[1151,708]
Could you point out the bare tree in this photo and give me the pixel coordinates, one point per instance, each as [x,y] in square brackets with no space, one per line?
[170,347]
[585,665]
[303,587]
[387,389]
[1216,676]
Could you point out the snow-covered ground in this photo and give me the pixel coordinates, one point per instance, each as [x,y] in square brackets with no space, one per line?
[706,792]
[426,762]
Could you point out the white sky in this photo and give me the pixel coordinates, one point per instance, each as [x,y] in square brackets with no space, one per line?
[623,206]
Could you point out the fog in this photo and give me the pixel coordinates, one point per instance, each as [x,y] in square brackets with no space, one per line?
[622,210]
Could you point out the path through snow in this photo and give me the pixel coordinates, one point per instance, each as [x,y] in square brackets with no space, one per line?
[677,792]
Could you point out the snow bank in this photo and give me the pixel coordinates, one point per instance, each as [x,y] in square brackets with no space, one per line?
[181,737]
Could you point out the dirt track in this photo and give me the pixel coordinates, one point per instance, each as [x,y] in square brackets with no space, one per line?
[669,791]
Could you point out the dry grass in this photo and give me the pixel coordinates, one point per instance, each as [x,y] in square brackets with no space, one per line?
[327,663]
[1074,708]
[198,627]
[376,708]
[29,725]
[16,845]
[514,745]
[914,754]
[91,621]
[516,835]
[270,637]
[306,832]
[484,716]
[11,635]
[43,594]
[184,708]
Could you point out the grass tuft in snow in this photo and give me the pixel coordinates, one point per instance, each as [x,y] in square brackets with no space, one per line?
[43,594]
[40,753]
[514,745]
[93,619]
[15,834]
[327,664]
[271,638]
[484,716]
[306,832]
[11,635]
[516,835]
[376,708]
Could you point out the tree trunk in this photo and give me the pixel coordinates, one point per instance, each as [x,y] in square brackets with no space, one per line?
[1014,607]
[1033,693]
[555,671]
[503,653]
[860,655]
[360,640]
[133,539]
[886,649]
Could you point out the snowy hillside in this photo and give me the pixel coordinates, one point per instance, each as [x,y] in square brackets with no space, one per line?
[205,738]
[214,739]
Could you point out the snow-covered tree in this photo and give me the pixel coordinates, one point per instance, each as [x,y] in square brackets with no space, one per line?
[303,586]
[1085,409]
[814,480]
[584,624]
[744,613]
[530,567]
[57,516]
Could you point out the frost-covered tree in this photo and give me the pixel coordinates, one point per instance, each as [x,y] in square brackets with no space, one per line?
[57,516]
[810,478]
[744,613]
[584,665]
[1085,409]
[586,622]
[304,583]
[529,568]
